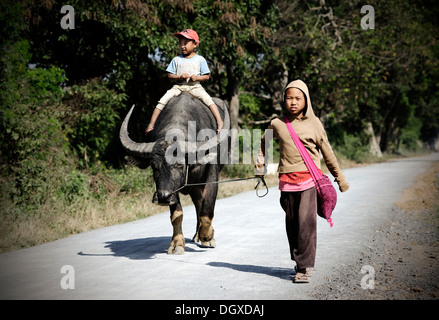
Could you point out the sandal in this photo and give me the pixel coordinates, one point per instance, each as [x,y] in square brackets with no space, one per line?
[301,278]
[302,275]
[306,271]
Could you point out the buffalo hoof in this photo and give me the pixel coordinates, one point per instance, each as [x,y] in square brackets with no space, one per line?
[209,244]
[205,244]
[176,250]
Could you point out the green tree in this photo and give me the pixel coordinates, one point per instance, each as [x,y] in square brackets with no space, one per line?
[33,146]
[91,120]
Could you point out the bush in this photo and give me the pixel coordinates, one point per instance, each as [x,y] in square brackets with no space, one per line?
[33,146]
[411,134]
[353,148]
[92,119]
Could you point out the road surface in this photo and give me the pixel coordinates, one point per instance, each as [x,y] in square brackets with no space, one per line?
[251,260]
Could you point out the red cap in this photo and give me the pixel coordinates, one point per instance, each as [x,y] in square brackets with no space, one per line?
[189,34]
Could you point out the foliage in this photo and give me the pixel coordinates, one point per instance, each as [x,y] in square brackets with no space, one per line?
[92,119]
[411,133]
[252,108]
[32,141]
[353,148]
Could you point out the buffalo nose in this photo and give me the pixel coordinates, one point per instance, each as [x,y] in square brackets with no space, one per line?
[163,196]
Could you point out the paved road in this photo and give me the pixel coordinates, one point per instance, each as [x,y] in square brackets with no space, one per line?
[251,260]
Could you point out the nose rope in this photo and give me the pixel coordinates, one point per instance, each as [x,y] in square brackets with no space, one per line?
[185,182]
[261,179]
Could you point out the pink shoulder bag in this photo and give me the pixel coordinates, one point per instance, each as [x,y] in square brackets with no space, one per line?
[326,194]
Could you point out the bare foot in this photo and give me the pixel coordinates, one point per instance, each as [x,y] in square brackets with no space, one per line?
[148,130]
[220,126]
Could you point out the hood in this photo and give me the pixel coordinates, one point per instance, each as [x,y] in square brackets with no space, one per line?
[299,84]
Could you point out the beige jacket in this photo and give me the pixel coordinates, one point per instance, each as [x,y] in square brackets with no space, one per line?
[313,136]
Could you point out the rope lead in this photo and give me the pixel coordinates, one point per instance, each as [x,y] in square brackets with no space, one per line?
[261,179]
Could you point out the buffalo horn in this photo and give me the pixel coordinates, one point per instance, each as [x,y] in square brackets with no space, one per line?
[139,149]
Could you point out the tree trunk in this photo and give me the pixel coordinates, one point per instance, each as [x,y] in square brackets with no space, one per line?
[233,98]
[388,139]
[278,87]
[373,141]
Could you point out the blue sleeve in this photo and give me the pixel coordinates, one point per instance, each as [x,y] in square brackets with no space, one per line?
[204,68]
[172,67]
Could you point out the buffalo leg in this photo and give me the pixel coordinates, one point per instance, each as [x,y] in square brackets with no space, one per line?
[177,243]
[197,199]
[205,229]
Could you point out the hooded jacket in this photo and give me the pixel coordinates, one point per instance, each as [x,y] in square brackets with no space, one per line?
[313,136]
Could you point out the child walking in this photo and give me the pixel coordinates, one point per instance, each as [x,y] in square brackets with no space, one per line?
[298,193]
[187,70]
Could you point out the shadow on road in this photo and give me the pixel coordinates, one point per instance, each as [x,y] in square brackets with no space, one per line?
[282,273]
[137,249]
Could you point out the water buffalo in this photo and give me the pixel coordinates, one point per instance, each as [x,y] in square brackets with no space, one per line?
[182,115]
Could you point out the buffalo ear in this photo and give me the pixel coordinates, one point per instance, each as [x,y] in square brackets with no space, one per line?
[141,163]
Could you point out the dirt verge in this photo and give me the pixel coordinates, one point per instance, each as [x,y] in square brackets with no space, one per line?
[403,255]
